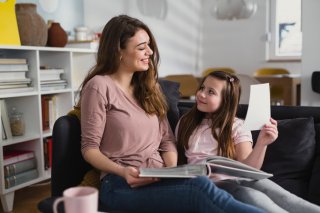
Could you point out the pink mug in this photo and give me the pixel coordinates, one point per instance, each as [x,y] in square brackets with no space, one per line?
[80,199]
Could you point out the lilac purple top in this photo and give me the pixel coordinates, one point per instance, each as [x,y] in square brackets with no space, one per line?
[120,128]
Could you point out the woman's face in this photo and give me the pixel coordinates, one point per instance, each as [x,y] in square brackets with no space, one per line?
[209,97]
[135,57]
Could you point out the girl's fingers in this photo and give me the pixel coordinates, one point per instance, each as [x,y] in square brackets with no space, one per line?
[273,121]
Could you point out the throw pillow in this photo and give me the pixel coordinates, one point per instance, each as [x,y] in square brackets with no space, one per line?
[171,91]
[290,157]
[314,185]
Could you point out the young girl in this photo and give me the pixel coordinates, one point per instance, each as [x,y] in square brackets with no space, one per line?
[212,128]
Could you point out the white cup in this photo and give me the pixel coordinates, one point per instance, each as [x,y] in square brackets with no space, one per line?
[79,199]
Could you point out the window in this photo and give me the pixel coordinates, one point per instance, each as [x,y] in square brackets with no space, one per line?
[285,37]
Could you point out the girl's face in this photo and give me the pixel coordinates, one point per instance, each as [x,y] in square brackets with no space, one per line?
[135,57]
[209,96]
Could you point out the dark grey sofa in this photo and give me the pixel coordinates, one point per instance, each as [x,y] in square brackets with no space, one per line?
[294,158]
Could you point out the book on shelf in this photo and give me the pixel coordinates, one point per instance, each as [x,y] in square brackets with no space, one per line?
[9,86]
[50,152]
[54,82]
[15,81]
[45,111]
[21,178]
[3,131]
[45,154]
[53,111]
[11,75]
[50,74]
[47,149]
[14,156]
[213,165]
[13,60]
[13,67]
[5,120]
[50,111]
[16,90]
[19,167]
[53,85]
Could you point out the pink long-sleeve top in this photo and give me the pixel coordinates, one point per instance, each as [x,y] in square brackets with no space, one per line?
[120,128]
[202,144]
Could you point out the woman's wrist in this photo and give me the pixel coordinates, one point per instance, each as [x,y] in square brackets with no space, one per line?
[120,170]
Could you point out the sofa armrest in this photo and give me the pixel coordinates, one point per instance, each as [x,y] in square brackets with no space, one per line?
[68,165]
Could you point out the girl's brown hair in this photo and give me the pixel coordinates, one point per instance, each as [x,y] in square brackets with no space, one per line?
[114,37]
[222,119]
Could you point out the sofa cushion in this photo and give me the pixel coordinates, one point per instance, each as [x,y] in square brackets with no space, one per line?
[290,157]
[171,91]
[314,185]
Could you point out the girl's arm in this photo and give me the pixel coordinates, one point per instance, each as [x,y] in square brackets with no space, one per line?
[254,157]
[170,158]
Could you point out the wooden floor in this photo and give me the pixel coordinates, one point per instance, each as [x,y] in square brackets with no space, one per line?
[27,199]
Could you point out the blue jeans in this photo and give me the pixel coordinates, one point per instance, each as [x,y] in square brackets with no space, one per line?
[199,195]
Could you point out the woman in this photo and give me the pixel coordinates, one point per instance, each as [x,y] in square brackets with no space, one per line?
[212,128]
[124,127]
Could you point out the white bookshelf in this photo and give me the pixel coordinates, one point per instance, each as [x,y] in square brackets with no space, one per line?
[76,63]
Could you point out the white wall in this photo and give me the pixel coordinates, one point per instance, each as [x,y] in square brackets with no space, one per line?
[68,13]
[239,44]
[177,35]
[190,39]
[310,50]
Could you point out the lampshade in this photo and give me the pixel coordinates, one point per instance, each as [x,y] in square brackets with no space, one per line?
[234,9]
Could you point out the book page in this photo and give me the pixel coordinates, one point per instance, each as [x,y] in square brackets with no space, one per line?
[183,171]
[237,172]
[223,161]
[258,113]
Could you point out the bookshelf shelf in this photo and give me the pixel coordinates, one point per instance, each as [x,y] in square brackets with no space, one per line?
[75,64]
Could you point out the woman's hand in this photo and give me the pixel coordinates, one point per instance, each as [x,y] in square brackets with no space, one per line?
[268,133]
[131,175]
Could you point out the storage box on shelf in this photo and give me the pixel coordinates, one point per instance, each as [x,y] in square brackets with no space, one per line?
[75,64]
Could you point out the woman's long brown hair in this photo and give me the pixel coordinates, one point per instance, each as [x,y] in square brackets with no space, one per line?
[114,37]
[222,119]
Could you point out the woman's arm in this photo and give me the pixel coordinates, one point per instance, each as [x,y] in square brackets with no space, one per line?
[167,145]
[103,163]
[93,121]
[255,157]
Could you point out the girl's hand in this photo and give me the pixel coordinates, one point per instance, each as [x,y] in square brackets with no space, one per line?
[131,175]
[268,133]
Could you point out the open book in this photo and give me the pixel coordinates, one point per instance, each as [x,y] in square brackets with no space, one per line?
[214,164]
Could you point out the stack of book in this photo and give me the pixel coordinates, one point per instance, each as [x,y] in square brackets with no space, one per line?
[20,166]
[13,75]
[50,79]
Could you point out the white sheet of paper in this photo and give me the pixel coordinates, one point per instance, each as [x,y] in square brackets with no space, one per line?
[259,107]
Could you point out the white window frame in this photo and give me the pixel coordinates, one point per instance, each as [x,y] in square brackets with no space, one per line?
[271,37]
